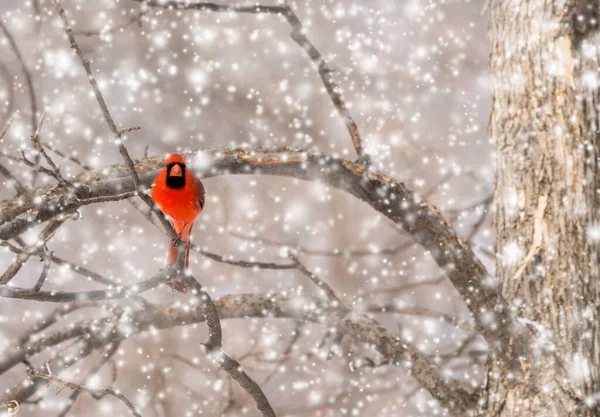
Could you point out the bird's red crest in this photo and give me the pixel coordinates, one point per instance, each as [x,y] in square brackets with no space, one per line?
[175,159]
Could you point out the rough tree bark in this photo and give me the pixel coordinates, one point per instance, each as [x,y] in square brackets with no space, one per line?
[545,122]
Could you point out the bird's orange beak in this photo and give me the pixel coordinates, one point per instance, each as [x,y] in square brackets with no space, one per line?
[176,171]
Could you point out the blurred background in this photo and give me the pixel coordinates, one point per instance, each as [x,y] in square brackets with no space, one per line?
[414,76]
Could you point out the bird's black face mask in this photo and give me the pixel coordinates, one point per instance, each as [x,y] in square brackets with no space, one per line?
[176,181]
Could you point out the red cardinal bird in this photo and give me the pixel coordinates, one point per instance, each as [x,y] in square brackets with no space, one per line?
[180,196]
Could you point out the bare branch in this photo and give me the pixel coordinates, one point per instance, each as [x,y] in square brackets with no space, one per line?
[331,295]
[357,326]
[48,376]
[38,14]
[213,347]
[390,198]
[296,335]
[116,293]
[69,157]
[29,346]
[48,321]
[12,180]
[106,356]
[299,36]
[94,276]
[99,97]
[107,198]
[47,262]
[6,126]
[90,340]
[244,264]
[42,151]
[23,159]
[342,252]
[24,255]
[418,311]
[409,286]
[485,211]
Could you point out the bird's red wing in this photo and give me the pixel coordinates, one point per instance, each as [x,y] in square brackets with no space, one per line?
[200,192]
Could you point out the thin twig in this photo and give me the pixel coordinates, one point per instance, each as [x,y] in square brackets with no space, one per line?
[241,263]
[318,281]
[12,180]
[96,277]
[24,255]
[106,356]
[38,15]
[46,322]
[48,376]
[296,335]
[35,165]
[12,270]
[6,126]
[299,36]
[38,146]
[343,252]
[409,286]
[418,311]
[117,293]
[64,155]
[486,209]
[357,326]
[213,346]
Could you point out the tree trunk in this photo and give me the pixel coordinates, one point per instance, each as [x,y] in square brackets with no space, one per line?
[545,124]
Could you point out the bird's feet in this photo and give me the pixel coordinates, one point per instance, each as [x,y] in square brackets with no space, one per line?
[177,286]
[177,239]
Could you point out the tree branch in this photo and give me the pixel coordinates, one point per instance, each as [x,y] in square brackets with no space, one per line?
[12,180]
[389,197]
[327,290]
[48,376]
[357,326]
[116,293]
[213,347]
